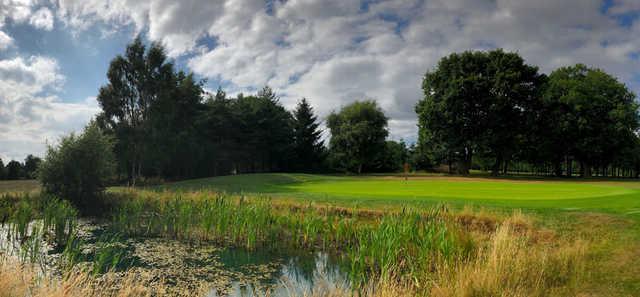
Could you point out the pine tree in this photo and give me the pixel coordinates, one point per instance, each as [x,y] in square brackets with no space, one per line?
[308,146]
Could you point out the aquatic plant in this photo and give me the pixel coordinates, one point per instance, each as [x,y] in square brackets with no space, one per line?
[60,217]
[108,255]
[20,217]
[399,244]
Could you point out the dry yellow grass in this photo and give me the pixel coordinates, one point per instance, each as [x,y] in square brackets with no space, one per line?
[23,280]
[510,262]
[511,266]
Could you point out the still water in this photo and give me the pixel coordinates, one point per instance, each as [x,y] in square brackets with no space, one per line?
[201,268]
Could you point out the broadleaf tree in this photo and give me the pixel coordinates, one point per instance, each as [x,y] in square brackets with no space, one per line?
[477,103]
[592,116]
[136,80]
[79,167]
[358,134]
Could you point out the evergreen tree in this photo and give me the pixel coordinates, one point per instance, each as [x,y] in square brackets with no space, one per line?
[308,145]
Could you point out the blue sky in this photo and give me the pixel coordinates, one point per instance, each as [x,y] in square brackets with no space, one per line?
[54,53]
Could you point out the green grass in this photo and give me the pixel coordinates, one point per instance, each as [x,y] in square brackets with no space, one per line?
[542,194]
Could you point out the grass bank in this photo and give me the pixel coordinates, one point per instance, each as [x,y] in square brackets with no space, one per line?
[616,196]
[404,246]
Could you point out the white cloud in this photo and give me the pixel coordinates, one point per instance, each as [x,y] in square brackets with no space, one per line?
[18,10]
[42,19]
[336,51]
[29,114]
[5,41]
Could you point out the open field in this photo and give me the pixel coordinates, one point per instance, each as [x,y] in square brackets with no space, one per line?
[27,185]
[495,237]
[618,196]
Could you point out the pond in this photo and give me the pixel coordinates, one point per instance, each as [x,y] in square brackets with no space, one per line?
[185,268]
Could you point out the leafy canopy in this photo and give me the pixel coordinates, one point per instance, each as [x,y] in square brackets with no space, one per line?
[358,134]
[78,168]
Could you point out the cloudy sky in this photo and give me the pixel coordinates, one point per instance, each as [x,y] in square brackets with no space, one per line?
[54,53]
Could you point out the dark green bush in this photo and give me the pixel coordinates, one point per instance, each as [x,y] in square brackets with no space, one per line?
[78,168]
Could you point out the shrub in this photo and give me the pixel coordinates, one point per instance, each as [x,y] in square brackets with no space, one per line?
[78,168]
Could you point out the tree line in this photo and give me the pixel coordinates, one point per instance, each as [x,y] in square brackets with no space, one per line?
[484,110]
[20,170]
[490,110]
[166,125]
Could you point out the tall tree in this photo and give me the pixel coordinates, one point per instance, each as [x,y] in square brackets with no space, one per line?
[395,155]
[3,174]
[452,114]
[514,94]
[308,145]
[477,103]
[358,134]
[592,116]
[31,164]
[175,148]
[136,80]
[14,170]
[218,130]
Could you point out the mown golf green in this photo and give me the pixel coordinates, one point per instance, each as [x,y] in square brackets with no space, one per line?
[616,196]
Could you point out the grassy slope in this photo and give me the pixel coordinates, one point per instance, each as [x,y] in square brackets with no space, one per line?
[604,213]
[608,217]
[610,196]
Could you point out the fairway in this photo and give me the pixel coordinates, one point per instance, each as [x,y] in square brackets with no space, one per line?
[460,189]
[621,197]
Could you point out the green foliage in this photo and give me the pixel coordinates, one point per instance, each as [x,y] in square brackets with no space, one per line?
[492,108]
[14,170]
[394,156]
[79,167]
[164,127]
[109,254]
[31,164]
[60,217]
[137,80]
[589,116]
[172,148]
[308,145]
[21,216]
[358,135]
[477,102]
[263,133]
[397,244]
[3,172]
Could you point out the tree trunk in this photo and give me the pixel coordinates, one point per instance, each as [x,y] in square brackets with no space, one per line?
[495,170]
[557,169]
[585,169]
[505,168]
[464,164]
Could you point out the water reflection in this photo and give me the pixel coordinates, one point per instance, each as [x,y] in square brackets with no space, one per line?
[317,275]
[182,267]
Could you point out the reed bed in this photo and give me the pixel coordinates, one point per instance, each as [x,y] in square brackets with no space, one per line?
[406,244]
[410,252]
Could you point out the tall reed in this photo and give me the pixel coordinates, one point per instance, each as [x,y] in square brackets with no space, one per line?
[399,244]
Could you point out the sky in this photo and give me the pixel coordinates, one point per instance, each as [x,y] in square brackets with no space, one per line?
[54,54]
